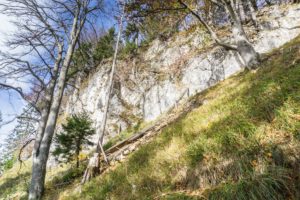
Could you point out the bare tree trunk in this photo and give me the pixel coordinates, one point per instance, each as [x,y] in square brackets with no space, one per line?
[244,47]
[95,160]
[240,7]
[77,157]
[47,103]
[248,54]
[208,27]
[253,14]
[40,160]
[110,86]
[47,33]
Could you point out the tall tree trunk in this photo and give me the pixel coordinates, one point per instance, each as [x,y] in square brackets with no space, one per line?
[40,160]
[240,7]
[253,14]
[110,86]
[47,103]
[248,54]
[95,159]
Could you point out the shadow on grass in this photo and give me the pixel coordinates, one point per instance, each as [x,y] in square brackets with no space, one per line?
[269,91]
[63,180]
[12,185]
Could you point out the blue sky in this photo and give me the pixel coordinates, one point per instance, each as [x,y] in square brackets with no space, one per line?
[10,102]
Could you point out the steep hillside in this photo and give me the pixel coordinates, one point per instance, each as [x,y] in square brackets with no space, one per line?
[150,83]
[237,138]
[242,143]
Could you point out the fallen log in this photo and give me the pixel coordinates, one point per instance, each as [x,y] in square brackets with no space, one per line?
[122,149]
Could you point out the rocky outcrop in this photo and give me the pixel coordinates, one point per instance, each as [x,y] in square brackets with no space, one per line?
[170,71]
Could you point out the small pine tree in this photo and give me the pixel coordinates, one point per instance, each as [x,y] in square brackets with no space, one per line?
[75,134]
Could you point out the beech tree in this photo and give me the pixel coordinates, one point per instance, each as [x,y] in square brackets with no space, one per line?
[241,43]
[201,10]
[48,33]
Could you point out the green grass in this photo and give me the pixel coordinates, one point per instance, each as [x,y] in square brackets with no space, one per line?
[271,186]
[15,182]
[242,144]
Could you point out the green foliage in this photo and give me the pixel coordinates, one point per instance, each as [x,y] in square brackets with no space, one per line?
[195,153]
[7,161]
[131,32]
[151,26]
[245,153]
[130,48]
[272,185]
[81,58]
[76,133]
[105,46]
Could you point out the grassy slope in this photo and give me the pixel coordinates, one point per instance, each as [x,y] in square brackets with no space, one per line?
[243,143]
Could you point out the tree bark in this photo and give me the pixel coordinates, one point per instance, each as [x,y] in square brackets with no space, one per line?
[40,160]
[95,160]
[47,103]
[248,54]
[240,6]
[110,86]
[253,14]
[77,158]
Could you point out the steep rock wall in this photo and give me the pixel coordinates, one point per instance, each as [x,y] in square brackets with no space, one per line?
[169,71]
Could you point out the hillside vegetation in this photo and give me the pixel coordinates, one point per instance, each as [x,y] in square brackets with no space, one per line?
[242,143]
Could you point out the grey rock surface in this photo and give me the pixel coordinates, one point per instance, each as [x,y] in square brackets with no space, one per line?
[170,69]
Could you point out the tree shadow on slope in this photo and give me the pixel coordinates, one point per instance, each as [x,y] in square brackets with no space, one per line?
[133,179]
[15,184]
[63,180]
[271,92]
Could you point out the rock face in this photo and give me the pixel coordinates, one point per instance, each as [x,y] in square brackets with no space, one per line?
[169,71]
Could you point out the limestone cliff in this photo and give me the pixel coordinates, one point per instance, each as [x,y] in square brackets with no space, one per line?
[168,71]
